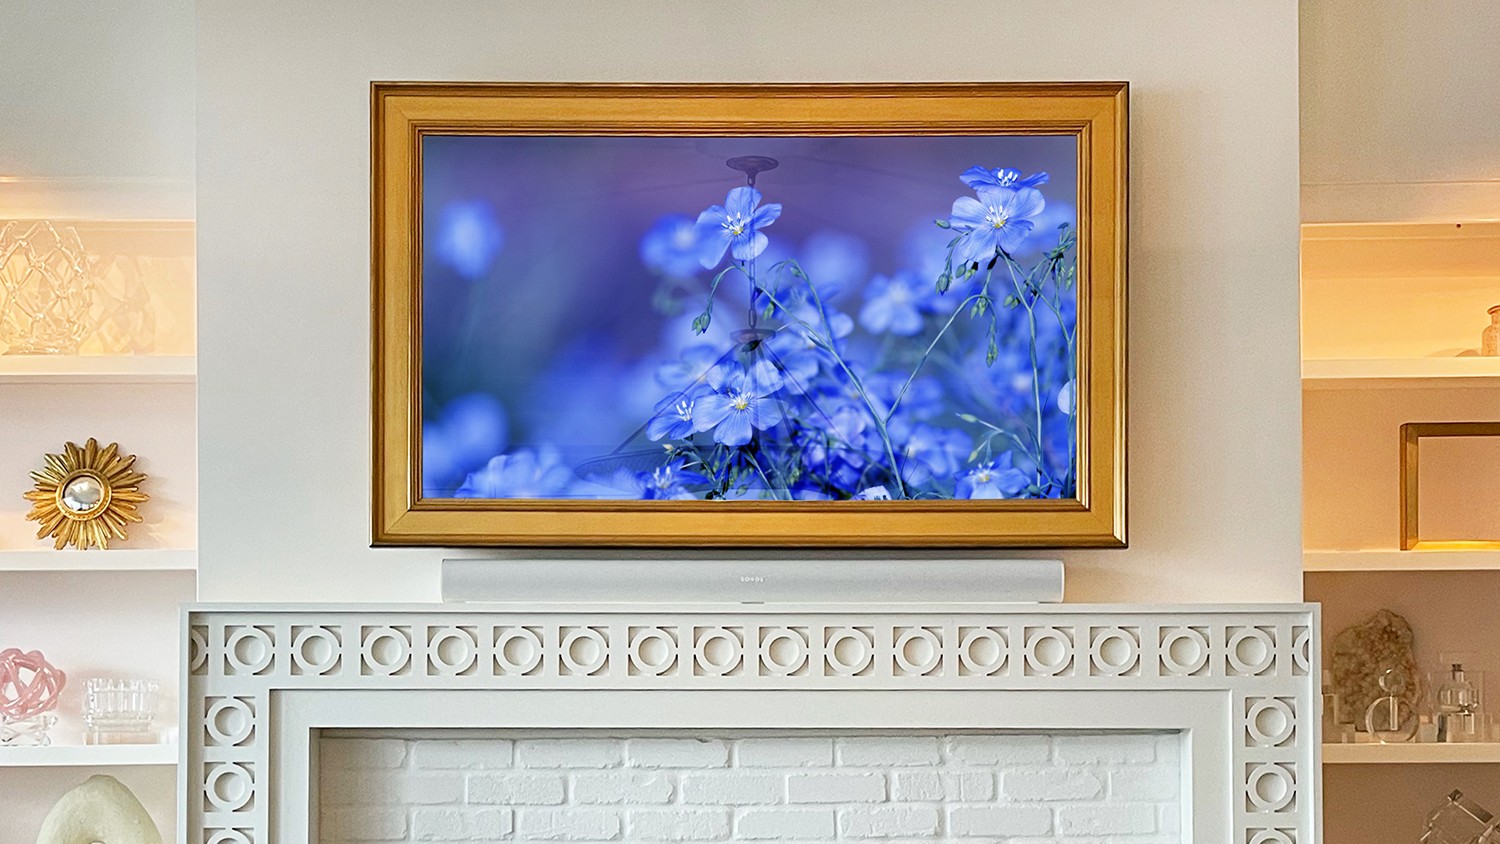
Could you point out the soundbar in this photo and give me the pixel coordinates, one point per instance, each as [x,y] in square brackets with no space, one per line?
[575,580]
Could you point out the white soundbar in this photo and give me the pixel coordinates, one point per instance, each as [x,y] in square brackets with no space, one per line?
[574,580]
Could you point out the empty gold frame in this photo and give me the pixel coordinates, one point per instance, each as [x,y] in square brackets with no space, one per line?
[86,496]
[1093,115]
[1411,435]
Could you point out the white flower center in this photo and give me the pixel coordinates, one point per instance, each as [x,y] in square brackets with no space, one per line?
[736,224]
[984,476]
[740,401]
[997,218]
[684,410]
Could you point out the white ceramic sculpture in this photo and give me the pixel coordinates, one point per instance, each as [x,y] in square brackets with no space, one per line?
[101,810]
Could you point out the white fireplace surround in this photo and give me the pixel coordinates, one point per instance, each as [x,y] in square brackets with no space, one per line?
[1237,682]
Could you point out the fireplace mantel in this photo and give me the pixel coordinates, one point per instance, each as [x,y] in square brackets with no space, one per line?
[1239,682]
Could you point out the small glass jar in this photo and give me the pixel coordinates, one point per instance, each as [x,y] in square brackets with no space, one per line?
[1489,345]
[119,711]
[31,731]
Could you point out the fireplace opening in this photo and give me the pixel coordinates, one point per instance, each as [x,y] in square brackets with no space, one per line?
[749,785]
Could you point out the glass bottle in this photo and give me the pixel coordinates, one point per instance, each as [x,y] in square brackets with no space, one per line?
[1489,346]
[1457,708]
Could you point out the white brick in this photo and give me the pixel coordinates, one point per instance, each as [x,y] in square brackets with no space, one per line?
[517,789]
[731,789]
[679,825]
[362,823]
[678,753]
[448,824]
[785,824]
[1145,783]
[836,788]
[622,787]
[999,750]
[392,788]
[569,753]
[1105,749]
[888,821]
[1169,745]
[784,752]
[351,754]
[1169,818]
[934,787]
[889,751]
[568,824]
[999,820]
[480,753]
[1052,784]
[1106,820]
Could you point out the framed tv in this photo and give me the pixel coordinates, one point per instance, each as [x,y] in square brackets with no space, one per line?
[749,315]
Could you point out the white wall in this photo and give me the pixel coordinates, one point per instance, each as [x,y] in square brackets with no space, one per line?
[283,213]
[1400,115]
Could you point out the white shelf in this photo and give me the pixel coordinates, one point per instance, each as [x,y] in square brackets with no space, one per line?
[1410,753]
[1390,560]
[120,559]
[1403,373]
[88,756]
[98,369]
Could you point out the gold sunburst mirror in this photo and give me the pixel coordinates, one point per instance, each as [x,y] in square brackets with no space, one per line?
[86,496]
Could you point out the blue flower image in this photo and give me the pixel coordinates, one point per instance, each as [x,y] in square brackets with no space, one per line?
[469,237]
[894,304]
[736,226]
[739,402]
[999,219]
[1000,177]
[597,326]
[671,246]
[992,479]
[520,474]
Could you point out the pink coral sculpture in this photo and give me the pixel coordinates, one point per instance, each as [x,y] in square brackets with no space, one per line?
[29,684]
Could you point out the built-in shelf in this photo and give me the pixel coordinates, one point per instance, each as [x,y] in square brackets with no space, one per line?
[1410,753]
[120,559]
[98,369]
[88,756]
[1389,560]
[1403,373]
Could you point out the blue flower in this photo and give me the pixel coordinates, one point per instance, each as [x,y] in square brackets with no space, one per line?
[874,493]
[523,473]
[468,237]
[800,345]
[674,415]
[664,483]
[689,368]
[740,401]
[995,479]
[1066,396]
[835,261]
[894,304]
[999,219]
[1001,177]
[942,450]
[671,246]
[736,225]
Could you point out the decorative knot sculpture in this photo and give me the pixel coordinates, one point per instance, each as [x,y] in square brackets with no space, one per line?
[29,684]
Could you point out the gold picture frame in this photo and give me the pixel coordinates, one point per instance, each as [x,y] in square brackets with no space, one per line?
[1412,433]
[404,114]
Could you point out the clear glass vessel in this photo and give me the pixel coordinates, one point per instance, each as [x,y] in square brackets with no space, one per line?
[1458,716]
[31,731]
[46,288]
[119,711]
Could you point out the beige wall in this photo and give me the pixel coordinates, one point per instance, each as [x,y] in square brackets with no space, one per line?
[1400,111]
[283,183]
